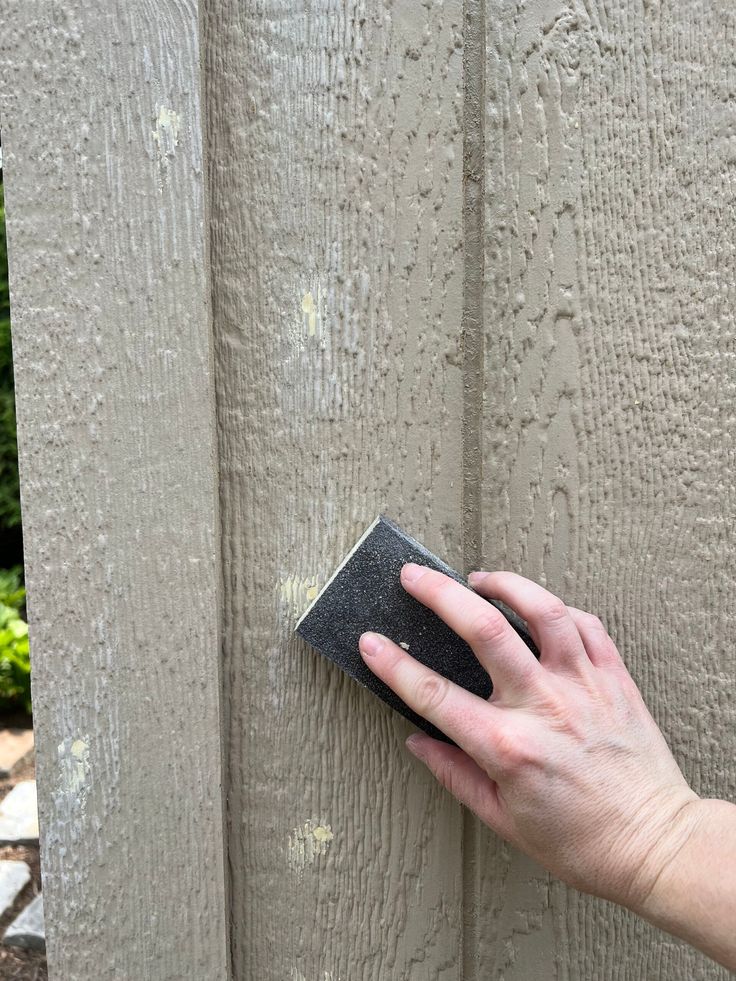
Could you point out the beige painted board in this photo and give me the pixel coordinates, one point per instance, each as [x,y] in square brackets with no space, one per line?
[101,129]
[608,430]
[336,175]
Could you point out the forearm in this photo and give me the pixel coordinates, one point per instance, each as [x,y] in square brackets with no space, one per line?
[695,895]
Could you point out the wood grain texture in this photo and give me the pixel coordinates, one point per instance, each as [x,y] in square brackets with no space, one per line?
[336,177]
[103,167]
[473,266]
[609,390]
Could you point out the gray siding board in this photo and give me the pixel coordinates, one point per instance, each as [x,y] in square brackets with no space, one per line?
[102,138]
[336,203]
[608,426]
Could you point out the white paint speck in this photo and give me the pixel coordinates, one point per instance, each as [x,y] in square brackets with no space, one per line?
[166,134]
[306,843]
[296,975]
[297,592]
[74,769]
[313,309]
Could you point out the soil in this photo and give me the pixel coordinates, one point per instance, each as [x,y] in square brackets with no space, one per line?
[17,964]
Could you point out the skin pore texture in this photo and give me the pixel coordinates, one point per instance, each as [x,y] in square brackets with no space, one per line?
[564,760]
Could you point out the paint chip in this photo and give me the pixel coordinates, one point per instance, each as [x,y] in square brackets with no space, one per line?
[313,308]
[296,975]
[74,769]
[298,593]
[166,134]
[309,308]
[306,843]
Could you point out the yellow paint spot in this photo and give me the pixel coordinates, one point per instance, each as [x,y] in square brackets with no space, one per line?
[323,833]
[310,310]
[313,309]
[166,134]
[306,843]
[74,769]
[298,593]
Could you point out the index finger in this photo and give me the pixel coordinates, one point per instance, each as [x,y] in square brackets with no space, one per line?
[466,718]
[493,640]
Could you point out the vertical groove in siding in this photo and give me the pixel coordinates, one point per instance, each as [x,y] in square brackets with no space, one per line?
[472,325]
[473,382]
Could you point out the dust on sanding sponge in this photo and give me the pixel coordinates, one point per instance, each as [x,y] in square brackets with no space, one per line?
[365,593]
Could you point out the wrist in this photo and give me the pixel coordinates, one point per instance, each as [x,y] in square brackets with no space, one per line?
[658,892]
[694,893]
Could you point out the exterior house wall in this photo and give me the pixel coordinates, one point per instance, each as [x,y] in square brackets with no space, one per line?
[277,268]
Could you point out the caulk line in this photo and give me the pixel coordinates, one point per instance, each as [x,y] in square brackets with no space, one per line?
[473,277]
[474,31]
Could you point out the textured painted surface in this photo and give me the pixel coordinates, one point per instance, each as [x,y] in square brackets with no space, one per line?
[473,266]
[336,177]
[104,179]
[531,369]
[609,443]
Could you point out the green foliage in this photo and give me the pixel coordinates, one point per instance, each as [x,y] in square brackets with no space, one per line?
[15,662]
[9,489]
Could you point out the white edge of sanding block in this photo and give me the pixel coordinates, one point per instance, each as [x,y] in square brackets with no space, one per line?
[337,571]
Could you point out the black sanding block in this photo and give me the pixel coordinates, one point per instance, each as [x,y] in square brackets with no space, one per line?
[365,593]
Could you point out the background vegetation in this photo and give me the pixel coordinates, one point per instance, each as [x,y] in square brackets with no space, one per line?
[15,669]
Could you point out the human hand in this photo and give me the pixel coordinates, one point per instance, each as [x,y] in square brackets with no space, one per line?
[564,760]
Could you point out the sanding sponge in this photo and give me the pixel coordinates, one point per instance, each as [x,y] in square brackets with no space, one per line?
[365,593]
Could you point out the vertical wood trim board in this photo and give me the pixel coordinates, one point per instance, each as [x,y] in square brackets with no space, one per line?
[101,127]
[336,182]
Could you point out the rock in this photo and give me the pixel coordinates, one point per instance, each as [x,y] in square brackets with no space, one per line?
[13,877]
[19,815]
[14,745]
[27,929]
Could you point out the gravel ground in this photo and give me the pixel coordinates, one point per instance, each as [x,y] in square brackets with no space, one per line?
[17,964]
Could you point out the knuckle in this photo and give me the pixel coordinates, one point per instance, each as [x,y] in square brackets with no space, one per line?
[488,627]
[595,623]
[553,612]
[527,674]
[431,692]
[514,753]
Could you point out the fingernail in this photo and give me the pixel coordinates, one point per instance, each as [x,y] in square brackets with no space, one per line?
[371,643]
[476,576]
[414,745]
[412,572]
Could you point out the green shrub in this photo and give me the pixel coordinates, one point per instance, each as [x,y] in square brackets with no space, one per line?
[9,490]
[15,662]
